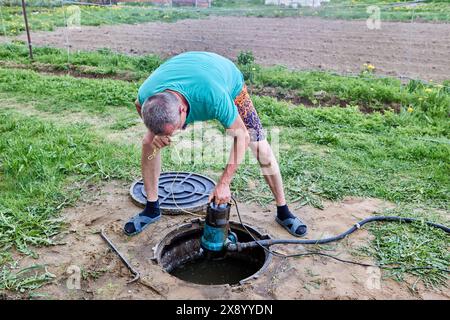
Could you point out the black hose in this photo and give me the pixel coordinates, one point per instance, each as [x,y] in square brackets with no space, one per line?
[269,242]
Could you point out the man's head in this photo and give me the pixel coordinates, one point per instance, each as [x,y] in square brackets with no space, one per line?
[164,113]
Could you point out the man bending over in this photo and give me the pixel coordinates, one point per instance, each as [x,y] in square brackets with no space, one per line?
[201,86]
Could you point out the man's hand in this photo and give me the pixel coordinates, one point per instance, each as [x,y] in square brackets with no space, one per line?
[161,141]
[221,194]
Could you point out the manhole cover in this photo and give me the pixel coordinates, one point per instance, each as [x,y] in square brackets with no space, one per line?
[177,191]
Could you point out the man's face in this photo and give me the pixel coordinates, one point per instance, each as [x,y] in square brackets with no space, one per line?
[170,129]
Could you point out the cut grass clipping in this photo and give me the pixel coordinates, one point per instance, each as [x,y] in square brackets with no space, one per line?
[26,279]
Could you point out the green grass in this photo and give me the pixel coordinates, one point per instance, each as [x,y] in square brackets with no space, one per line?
[42,170]
[237,3]
[59,93]
[405,245]
[385,156]
[99,63]
[26,279]
[38,160]
[432,11]
[48,16]
[366,91]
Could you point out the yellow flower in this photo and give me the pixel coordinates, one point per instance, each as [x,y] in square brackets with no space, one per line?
[370,67]
[410,109]
[428,90]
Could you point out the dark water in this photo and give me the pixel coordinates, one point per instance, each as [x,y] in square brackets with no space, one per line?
[205,271]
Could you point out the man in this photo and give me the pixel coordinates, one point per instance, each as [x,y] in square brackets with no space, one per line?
[200,86]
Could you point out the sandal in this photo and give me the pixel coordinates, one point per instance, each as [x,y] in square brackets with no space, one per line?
[291,225]
[140,223]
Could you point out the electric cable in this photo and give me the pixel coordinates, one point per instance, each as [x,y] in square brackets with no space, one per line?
[357,226]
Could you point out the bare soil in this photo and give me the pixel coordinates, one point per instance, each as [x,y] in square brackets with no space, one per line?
[416,50]
[291,95]
[105,277]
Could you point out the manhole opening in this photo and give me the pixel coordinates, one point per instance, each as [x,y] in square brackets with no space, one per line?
[179,254]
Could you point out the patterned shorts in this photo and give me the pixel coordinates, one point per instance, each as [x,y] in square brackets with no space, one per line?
[248,114]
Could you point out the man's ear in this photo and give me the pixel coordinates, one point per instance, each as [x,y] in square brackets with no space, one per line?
[169,129]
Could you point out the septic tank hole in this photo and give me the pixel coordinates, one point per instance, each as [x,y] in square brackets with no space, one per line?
[179,253]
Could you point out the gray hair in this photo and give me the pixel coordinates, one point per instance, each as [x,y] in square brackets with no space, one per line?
[159,110]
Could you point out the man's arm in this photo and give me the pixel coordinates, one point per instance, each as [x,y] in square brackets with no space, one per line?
[222,193]
[150,168]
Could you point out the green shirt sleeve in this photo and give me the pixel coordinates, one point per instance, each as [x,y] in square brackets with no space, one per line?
[226,111]
[141,97]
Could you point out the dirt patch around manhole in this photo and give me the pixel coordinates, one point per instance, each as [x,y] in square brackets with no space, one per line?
[417,50]
[103,276]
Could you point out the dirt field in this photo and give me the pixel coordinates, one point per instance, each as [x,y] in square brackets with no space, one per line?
[417,50]
[105,277]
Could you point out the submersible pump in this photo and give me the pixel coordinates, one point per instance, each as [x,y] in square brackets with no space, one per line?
[216,231]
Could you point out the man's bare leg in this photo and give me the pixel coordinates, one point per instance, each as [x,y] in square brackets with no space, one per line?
[151,169]
[270,169]
[271,172]
[150,173]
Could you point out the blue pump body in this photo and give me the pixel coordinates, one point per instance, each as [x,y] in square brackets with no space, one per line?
[216,229]
[213,239]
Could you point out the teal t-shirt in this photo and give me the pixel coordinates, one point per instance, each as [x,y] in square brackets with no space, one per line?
[208,81]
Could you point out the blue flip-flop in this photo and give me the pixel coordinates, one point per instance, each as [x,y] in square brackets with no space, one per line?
[291,225]
[137,221]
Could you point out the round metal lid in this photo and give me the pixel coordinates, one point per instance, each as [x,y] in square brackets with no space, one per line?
[177,191]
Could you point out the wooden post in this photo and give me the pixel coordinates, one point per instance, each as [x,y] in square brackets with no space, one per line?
[24,11]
